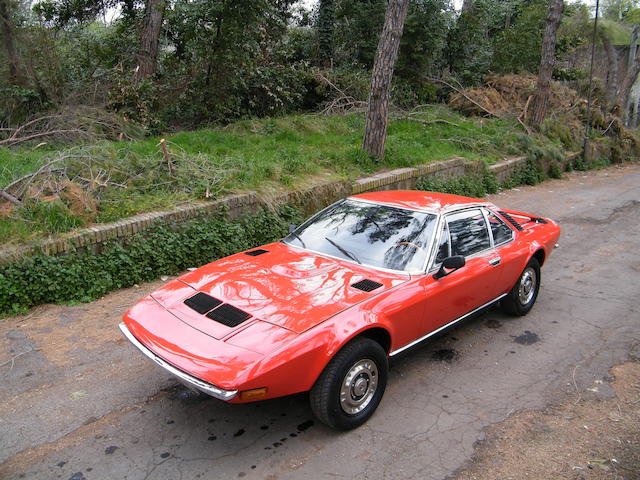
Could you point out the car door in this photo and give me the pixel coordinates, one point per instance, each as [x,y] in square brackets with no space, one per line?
[465,232]
[508,258]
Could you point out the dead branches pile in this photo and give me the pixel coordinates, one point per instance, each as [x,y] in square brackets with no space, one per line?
[71,124]
[83,177]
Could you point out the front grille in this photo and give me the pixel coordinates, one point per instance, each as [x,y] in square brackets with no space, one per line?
[202,303]
[366,285]
[229,315]
[255,253]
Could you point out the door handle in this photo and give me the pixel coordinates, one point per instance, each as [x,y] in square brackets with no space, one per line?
[495,261]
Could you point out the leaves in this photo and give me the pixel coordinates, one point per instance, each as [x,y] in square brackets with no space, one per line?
[164,249]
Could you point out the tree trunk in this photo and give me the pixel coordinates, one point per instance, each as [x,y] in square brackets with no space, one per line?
[543,86]
[16,72]
[375,133]
[326,21]
[150,39]
[612,60]
[466,5]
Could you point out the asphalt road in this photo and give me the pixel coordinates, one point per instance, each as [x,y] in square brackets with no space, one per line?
[78,402]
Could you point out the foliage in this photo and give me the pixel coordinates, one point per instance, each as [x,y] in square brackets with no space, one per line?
[472,185]
[259,155]
[164,249]
[326,27]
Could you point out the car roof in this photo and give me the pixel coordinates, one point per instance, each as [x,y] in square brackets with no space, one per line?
[432,202]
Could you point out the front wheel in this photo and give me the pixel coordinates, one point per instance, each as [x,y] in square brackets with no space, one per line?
[520,300]
[351,386]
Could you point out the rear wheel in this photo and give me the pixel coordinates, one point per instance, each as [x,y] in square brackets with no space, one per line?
[520,300]
[351,386]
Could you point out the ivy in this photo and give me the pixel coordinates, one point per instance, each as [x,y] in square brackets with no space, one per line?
[164,249]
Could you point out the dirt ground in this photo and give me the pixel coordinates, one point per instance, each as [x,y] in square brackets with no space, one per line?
[597,439]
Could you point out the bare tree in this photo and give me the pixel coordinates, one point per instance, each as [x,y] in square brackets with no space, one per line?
[150,38]
[543,86]
[7,29]
[375,133]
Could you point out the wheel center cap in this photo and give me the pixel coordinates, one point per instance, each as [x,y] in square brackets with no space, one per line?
[360,387]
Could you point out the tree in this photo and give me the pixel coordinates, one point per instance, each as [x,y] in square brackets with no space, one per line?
[326,27]
[386,55]
[543,86]
[150,38]
[7,28]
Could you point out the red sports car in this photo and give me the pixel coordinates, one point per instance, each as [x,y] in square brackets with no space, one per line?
[322,310]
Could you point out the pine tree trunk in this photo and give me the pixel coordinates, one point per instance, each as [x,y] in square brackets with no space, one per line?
[16,72]
[466,5]
[386,55]
[543,87]
[150,38]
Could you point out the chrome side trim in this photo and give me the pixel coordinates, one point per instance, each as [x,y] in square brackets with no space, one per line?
[415,342]
[185,378]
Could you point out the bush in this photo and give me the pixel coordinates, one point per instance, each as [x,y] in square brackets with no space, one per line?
[164,249]
[474,185]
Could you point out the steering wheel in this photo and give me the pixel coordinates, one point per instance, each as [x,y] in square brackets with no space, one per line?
[417,247]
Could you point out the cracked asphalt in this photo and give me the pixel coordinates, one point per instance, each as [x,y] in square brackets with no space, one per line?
[78,402]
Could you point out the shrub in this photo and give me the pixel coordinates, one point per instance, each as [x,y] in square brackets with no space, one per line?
[164,249]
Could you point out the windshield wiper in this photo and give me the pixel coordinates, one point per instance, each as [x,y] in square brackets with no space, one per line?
[346,252]
[297,237]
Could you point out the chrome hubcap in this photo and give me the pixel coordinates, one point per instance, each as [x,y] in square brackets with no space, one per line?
[358,387]
[527,287]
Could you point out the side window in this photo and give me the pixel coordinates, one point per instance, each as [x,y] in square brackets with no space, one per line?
[501,232]
[443,246]
[469,233]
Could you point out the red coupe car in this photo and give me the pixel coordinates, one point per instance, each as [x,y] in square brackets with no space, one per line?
[365,279]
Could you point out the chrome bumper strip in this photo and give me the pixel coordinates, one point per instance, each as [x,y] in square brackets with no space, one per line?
[415,342]
[185,378]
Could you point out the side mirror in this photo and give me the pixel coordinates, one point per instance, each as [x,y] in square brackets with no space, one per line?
[292,227]
[450,265]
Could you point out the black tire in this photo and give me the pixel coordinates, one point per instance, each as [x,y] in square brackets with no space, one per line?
[366,361]
[519,301]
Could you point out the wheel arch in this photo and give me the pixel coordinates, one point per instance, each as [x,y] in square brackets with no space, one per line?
[540,255]
[377,334]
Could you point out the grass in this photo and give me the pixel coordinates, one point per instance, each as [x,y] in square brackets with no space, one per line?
[261,155]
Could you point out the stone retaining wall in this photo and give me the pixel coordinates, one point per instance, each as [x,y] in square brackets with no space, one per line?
[309,200]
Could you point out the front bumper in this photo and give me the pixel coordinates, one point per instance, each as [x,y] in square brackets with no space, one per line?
[188,380]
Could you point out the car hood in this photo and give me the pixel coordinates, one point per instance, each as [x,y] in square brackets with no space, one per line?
[288,287]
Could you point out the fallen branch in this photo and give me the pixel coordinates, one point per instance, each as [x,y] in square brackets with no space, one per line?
[10,198]
[431,122]
[523,116]
[12,360]
[14,141]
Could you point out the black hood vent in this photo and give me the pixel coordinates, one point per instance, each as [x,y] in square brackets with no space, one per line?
[366,285]
[202,303]
[255,253]
[512,221]
[229,315]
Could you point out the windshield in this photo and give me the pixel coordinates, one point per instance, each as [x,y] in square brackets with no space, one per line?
[369,234]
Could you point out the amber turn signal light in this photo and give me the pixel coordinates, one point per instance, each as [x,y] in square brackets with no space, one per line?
[255,394]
